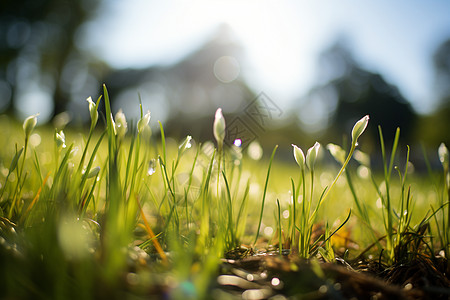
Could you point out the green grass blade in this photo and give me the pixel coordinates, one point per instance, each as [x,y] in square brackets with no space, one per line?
[230,224]
[240,219]
[340,226]
[91,162]
[294,211]
[129,160]
[264,193]
[12,167]
[394,151]
[163,142]
[280,242]
[37,166]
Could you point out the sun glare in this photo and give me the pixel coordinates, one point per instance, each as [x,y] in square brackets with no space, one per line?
[273,40]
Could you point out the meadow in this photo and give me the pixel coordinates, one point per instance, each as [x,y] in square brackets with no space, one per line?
[117,212]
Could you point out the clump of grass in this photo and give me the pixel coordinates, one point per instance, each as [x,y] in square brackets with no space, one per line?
[128,212]
[441,213]
[396,221]
[444,231]
[28,126]
[306,216]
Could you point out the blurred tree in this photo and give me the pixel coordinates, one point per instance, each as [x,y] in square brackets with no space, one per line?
[441,61]
[186,94]
[357,92]
[434,128]
[38,48]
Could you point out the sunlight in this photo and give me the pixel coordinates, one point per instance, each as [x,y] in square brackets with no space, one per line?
[275,56]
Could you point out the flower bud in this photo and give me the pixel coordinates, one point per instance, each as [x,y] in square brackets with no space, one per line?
[121,124]
[219,127]
[60,140]
[143,123]
[29,124]
[94,172]
[443,155]
[151,167]
[93,111]
[299,156]
[186,143]
[311,155]
[337,152]
[359,128]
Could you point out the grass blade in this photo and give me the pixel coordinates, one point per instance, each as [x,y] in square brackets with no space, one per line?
[264,193]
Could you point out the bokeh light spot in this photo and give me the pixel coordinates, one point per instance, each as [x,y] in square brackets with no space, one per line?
[226,69]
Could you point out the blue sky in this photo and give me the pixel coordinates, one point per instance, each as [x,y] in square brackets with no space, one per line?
[282,39]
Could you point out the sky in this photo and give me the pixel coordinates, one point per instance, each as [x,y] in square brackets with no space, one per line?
[281,39]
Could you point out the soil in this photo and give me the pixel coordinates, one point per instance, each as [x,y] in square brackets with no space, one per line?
[268,275]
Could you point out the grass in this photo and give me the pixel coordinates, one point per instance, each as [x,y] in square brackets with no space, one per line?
[127,214]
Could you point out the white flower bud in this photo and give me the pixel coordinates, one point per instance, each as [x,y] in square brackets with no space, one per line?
[60,140]
[311,155]
[443,155]
[94,172]
[359,128]
[121,124]
[143,123]
[299,156]
[186,143]
[29,124]
[93,111]
[219,127]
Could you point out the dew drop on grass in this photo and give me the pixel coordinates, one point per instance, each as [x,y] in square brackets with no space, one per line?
[237,142]
[286,214]
[151,167]
[151,171]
